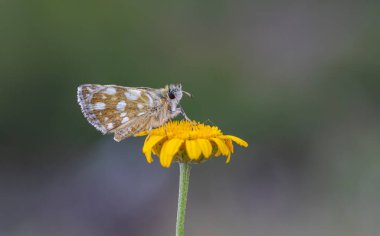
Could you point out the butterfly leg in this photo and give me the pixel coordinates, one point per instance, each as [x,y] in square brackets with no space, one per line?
[180,109]
[184,115]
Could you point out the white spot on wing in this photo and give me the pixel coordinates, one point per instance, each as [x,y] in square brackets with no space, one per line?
[109,126]
[99,106]
[141,113]
[125,120]
[123,114]
[110,91]
[132,94]
[106,118]
[121,105]
[140,106]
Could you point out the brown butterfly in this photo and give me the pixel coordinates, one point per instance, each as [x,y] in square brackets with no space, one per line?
[126,111]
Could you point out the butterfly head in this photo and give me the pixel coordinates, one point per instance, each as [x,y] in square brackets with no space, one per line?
[175,93]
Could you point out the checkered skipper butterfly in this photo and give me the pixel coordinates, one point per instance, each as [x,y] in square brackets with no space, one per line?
[126,111]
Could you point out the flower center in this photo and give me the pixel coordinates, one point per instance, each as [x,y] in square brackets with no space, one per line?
[187,130]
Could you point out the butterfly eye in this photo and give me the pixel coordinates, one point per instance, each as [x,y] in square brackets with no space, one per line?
[171,95]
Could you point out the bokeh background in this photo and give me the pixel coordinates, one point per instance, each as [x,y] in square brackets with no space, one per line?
[299,80]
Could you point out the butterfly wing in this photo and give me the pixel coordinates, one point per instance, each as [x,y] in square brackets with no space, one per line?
[110,108]
[132,127]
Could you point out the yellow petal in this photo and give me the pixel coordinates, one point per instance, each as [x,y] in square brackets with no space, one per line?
[149,144]
[228,158]
[193,150]
[218,153]
[229,145]
[168,150]
[156,149]
[151,141]
[142,133]
[221,146]
[237,140]
[205,146]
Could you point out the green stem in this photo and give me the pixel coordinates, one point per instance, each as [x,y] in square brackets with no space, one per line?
[184,175]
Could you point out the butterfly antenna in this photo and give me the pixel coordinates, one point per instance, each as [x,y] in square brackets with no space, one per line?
[188,94]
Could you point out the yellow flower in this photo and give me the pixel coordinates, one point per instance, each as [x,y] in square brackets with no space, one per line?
[184,141]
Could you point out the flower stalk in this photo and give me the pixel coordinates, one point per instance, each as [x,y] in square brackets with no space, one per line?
[184,177]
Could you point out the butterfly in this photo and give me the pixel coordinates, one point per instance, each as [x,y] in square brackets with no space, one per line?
[127,111]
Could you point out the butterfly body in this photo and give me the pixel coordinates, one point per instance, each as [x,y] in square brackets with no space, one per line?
[126,111]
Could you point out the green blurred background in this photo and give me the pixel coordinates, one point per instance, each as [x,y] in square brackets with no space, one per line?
[299,80]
